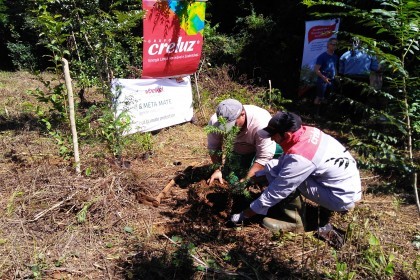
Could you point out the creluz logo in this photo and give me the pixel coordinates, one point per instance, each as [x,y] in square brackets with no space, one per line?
[178,47]
[321,32]
[158,89]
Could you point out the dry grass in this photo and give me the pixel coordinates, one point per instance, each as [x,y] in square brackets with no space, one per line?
[43,234]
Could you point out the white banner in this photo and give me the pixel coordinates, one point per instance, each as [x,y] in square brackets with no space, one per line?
[317,34]
[153,103]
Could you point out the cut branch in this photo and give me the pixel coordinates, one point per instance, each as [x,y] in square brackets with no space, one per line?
[72,114]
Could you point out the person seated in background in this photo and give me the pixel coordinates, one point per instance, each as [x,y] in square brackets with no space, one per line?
[314,164]
[252,151]
[358,64]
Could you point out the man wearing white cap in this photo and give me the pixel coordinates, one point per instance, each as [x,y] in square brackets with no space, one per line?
[314,164]
[255,151]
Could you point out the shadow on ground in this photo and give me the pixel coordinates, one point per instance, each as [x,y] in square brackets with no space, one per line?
[200,244]
[23,122]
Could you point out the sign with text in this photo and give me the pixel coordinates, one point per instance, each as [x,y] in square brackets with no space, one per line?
[317,34]
[172,37]
[153,103]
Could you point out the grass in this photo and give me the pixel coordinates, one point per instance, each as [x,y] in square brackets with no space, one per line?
[56,225]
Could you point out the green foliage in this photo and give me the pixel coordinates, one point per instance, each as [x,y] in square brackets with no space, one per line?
[99,47]
[54,99]
[376,260]
[218,48]
[53,34]
[254,27]
[181,258]
[21,52]
[39,265]
[11,202]
[85,74]
[82,214]
[377,149]
[18,42]
[112,130]
[275,99]
[231,168]
[128,229]
[372,260]
[255,32]
[341,270]
[63,142]
[142,142]
[228,137]
[53,114]
[22,56]
[3,13]
[396,43]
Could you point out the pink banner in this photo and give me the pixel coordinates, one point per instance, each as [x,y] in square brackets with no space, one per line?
[173,38]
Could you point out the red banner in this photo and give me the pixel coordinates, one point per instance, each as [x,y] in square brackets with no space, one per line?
[172,33]
[321,32]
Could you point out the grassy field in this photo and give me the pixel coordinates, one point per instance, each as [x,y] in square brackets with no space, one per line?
[57,225]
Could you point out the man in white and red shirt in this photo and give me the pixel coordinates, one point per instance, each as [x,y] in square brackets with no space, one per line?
[314,163]
[256,151]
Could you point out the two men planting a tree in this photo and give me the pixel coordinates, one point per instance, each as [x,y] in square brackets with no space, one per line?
[250,153]
[313,165]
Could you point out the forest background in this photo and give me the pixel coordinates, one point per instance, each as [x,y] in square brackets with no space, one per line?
[252,52]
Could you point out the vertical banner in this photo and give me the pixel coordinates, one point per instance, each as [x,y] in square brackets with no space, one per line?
[317,33]
[153,103]
[172,37]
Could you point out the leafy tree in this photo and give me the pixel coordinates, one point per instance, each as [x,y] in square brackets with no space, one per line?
[394,37]
[3,14]
[98,47]
[18,44]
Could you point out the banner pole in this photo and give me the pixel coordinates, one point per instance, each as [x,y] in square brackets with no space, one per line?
[198,95]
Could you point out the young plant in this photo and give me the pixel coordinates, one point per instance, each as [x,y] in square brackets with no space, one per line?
[231,167]
[377,261]
[11,202]
[53,99]
[82,214]
[341,270]
[112,130]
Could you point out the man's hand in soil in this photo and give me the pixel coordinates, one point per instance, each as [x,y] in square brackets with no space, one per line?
[237,218]
[240,217]
[217,175]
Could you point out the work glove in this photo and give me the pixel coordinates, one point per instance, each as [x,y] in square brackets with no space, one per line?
[237,218]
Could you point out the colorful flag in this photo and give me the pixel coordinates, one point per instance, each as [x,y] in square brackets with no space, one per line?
[173,37]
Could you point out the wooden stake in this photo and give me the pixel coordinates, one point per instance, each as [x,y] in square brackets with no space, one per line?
[71,113]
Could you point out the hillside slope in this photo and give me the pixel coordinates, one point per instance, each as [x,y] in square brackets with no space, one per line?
[56,225]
